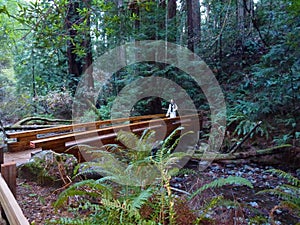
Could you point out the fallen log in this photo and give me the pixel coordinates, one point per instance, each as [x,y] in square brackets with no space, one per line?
[239,155]
[28,127]
[25,120]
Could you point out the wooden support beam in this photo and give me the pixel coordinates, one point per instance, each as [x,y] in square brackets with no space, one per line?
[9,174]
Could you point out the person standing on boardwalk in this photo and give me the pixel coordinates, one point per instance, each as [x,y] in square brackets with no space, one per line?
[172,109]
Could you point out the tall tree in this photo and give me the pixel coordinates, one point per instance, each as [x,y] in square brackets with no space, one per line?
[79,44]
[193,24]
[244,15]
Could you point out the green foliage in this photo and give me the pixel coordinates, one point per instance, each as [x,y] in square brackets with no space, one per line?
[122,191]
[116,199]
[245,125]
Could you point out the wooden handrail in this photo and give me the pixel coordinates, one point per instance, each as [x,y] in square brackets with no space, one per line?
[11,208]
[24,137]
[80,125]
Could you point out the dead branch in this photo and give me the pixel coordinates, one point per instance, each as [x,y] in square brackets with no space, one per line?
[236,146]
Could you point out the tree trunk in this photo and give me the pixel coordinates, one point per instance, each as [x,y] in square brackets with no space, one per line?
[193,24]
[78,65]
[134,8]
[240,12]
[87,45]
[241,155]
[172,9]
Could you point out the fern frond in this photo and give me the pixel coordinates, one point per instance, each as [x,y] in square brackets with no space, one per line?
[147,136]
[210,205]
[69,221]
[169,139]
[222,182]
[291,179]
[178,139]
[123,207]
[285,192]
[142,198]
[74,191]
[292,206]
[112,147]
[173,160]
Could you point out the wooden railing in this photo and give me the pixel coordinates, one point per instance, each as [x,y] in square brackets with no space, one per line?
[108,135]
[23,138]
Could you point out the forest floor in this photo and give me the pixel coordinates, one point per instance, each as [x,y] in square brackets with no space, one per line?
[37,201]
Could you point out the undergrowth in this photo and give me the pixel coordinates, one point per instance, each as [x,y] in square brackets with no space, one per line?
[134,185]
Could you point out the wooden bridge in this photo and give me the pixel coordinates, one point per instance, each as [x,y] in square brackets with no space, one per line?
[61,138]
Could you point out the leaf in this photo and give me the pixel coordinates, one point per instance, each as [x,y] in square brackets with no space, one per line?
[222,182]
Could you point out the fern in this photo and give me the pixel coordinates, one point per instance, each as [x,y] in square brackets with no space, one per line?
[222,182]
[75,191]
[287,193]
[290,179]
[125,207]
[168,141]
[70,221]
[134,182]
[142,198]
[215,202]
[136,148]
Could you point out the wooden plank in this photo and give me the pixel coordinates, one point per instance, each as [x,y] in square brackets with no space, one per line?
[11,208]
[108,135]
[18,146]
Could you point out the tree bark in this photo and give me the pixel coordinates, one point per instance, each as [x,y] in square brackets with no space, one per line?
[240,12]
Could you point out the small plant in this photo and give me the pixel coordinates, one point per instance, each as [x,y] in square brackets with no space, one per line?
[288,193]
